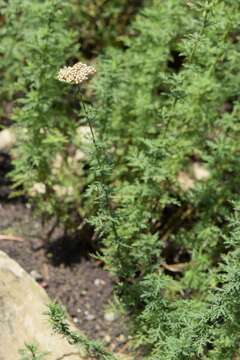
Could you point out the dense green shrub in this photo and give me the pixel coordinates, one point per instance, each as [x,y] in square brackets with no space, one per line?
[182,329]
[102,22]
[168,123]
[165,165]
[93,349]
[97,24]
[22,23]
[37,38]
[43,114]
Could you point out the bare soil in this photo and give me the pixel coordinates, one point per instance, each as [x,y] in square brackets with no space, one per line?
[65,268]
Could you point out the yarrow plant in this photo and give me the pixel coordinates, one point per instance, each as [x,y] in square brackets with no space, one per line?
[168,116]
[76,74]
[168,181]
[164,167]
[37,38]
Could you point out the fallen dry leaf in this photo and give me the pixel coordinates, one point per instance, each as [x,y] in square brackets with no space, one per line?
[11,237]
[175,267]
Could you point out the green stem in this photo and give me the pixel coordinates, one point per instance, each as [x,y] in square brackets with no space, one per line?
[200,34]
[104,186]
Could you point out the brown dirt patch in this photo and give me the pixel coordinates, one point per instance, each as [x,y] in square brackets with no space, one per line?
[67,271]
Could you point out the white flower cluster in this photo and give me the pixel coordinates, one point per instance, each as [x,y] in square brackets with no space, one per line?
[76,74]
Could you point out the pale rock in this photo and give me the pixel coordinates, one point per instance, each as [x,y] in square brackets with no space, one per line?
[107,339]
[7,139]
[200,172]
[57,164]
[22,306]
[121,338]
[84,133]
[185,181]
[80,155]
[60,191]
[37,189]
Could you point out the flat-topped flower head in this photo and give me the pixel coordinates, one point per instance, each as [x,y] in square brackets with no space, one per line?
[76,74]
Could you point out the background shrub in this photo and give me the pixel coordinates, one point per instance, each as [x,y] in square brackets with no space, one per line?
[168,110]
[103,23]
[42,113]
[167,127]
[39,37]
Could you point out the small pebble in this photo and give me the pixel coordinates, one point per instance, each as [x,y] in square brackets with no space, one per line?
[110,316]
[36,275]
[99,282]
[89,316]
[107,339]
[83,292]
[121,338]
[75,320]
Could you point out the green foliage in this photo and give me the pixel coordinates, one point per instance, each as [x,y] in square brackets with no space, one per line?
[98,24]
[168,121]
[102,22]
[164,163]
[36,40]
[206,331]
[60,325]
[27,29]
[31,353]
[44,113]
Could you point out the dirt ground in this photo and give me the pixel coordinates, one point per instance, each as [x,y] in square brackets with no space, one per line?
[66,269]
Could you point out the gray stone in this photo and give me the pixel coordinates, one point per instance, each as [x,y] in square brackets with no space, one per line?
[110,316]
[22,320]
[7,139]
[99,282]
